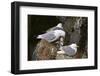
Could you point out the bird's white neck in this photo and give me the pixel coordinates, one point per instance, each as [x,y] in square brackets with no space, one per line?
[59,32]
[74,48]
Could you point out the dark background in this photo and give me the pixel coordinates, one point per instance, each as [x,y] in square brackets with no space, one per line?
[75,27]
[38,24]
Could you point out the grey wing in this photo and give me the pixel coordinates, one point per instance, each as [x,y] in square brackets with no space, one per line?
[49,36]
[69,51]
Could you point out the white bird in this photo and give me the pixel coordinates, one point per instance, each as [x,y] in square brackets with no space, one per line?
[70,50]
[52,35]
[58,27]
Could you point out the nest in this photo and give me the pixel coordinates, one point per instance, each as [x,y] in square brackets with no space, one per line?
[45,50]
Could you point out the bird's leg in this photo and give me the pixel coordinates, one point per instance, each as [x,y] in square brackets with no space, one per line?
[61,42]
[58,44]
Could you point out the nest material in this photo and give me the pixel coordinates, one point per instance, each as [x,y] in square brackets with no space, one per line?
[45,50]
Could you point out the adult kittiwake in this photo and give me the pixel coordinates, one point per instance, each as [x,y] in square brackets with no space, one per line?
[52,35]
[70,50]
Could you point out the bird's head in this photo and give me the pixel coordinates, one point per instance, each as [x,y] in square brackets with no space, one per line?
[59,25]
[74,45]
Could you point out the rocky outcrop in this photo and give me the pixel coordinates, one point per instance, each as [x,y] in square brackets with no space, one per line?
[45,51]
[76,32]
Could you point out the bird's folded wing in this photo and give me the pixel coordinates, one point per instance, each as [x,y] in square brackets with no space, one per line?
[69,51]
[50,36]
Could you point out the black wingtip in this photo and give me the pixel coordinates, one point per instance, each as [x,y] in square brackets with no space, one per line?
[34,37]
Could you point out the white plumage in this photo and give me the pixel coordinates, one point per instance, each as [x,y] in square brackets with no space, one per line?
[52,35]
[59,26]
[69,50]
